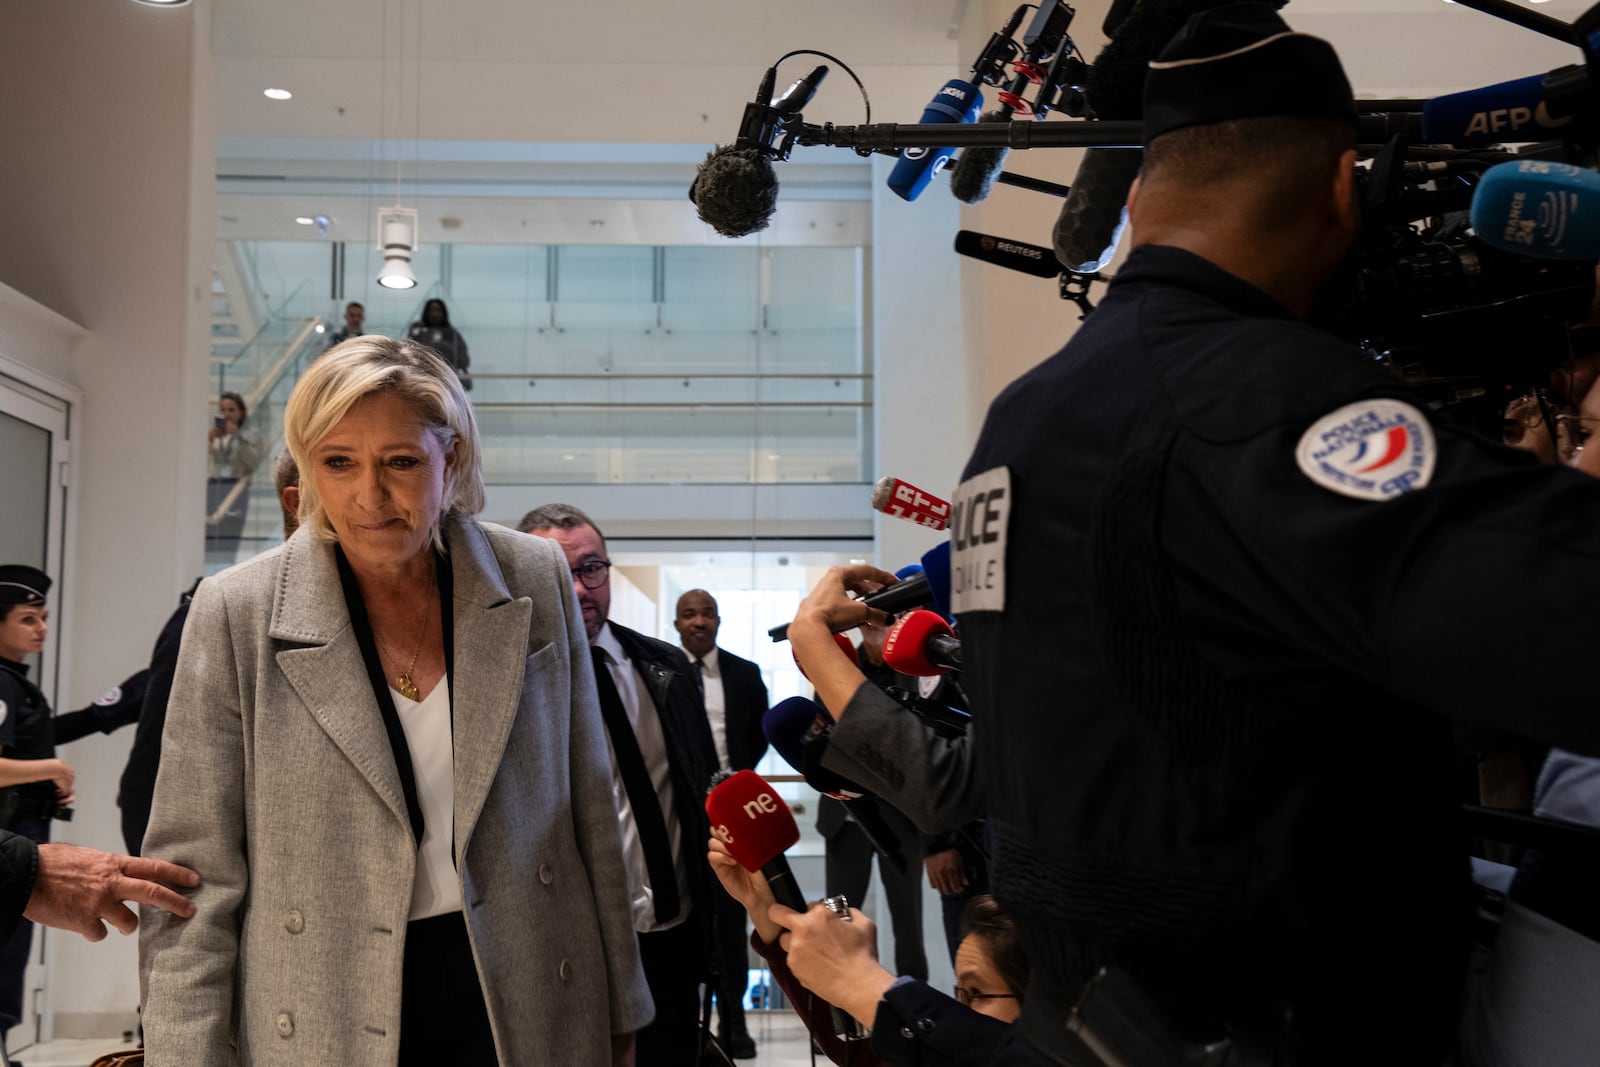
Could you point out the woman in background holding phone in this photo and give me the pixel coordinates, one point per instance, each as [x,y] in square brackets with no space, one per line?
[235,452]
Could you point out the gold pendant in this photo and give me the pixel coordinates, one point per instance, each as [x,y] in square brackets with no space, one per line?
[407,687]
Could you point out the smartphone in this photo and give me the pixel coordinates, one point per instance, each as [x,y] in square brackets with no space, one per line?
[220,423]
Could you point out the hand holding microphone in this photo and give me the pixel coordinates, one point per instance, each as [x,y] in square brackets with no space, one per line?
[749,888]
[835,955]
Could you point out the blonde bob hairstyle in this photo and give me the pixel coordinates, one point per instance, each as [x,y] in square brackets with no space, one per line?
[365,366]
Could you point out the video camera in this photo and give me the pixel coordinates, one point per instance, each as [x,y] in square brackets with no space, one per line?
[1467,321]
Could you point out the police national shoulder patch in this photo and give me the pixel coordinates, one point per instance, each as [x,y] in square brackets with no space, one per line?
[1371,450]
[110,696]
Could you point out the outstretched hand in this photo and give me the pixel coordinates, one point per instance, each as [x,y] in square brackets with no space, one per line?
[81,889]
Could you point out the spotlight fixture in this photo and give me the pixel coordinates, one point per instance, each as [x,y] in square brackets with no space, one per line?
[397,240]
[277,94]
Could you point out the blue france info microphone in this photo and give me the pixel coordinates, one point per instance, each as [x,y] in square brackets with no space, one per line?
[1540,209]
[958,101]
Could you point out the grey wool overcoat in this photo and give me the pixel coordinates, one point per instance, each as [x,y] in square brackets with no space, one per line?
[278,785]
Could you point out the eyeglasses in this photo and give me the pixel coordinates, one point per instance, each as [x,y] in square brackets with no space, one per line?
[966,996]
[593,573]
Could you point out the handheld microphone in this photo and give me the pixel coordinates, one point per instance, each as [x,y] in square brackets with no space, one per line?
[841,640]
[749,817]
[902,500]
[930,588]
[922,645]
[1539,209]
[1013,255]
[799,729]
[735,190]
[959,101]
[1535,108]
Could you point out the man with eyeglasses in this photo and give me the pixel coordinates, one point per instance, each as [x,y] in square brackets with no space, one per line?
[662,759]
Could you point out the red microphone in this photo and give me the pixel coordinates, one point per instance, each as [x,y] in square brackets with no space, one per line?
[922,644]
[845,646]
[903,500]
[751,819]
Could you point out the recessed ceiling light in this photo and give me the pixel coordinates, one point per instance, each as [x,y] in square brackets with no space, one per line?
[305,220]
[164,3]
[277,94]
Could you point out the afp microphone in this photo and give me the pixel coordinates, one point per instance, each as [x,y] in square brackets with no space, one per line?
[959,101]
[922,645]
[1536,108]
[1539,209]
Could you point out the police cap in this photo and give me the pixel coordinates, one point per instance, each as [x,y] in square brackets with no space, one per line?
[1243,61]
[21,584]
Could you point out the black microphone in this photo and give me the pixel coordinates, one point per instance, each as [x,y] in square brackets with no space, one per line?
[1091,221]
[801,731]
[735,189]
[1013,255]
[975,169]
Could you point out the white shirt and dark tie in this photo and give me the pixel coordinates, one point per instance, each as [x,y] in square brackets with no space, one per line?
[645,721]
[709,671]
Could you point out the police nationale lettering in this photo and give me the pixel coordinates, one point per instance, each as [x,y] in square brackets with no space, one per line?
[979,518]
[1370,450]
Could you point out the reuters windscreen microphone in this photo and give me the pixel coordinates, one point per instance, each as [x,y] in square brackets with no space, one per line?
[922,645]
[755,825]
[902,500]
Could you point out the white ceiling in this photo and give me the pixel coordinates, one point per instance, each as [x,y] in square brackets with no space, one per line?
[544,122]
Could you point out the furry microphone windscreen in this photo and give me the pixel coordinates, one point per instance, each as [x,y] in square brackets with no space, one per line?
[735,190]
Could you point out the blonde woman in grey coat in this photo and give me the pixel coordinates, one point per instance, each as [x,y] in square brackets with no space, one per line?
[384,756]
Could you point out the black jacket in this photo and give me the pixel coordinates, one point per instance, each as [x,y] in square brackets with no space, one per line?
[744,701]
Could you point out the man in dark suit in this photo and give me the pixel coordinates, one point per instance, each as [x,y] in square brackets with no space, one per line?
[736,699]
[662,761]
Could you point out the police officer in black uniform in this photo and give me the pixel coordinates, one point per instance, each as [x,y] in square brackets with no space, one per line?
[1223,583]
[37,784]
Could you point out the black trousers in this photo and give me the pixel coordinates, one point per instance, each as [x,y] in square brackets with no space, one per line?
[733,953]
[442,1015]
[670,960]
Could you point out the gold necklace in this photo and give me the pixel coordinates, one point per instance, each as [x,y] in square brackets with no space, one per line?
[403,681]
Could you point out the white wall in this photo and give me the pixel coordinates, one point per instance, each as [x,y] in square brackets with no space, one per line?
[105,199]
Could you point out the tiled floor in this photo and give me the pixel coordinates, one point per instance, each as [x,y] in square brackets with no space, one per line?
[781,1041]
[66,1053]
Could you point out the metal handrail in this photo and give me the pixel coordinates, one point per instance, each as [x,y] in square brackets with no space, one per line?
[258,393]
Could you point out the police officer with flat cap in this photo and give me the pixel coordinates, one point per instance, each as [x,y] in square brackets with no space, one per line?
[35,783]
[1264,578]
